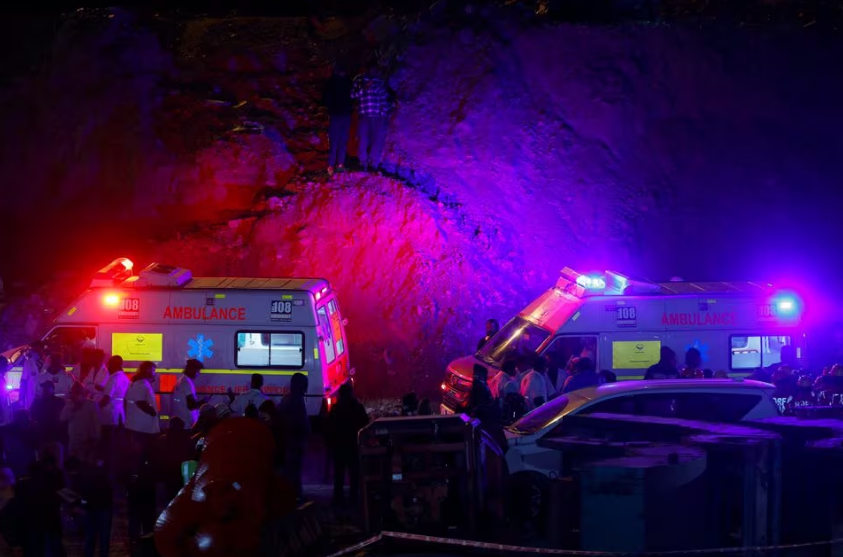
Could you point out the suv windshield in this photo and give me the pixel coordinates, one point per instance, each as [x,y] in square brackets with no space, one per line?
[518,338]
[548,414]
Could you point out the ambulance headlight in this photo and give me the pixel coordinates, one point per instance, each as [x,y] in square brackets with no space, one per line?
[591,282]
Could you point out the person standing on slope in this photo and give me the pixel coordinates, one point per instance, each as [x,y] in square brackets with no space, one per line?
[336,96]
[372,96]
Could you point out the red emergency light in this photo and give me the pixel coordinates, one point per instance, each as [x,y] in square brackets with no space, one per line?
[111,300]
[115,272]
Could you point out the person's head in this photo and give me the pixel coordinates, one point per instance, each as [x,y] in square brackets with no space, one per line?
[267,408]
[523,364]
[805,382]
[667,356]
[693,358]
[608,376]
[346,392]
[176,425]
[48,389]
[38,347]
[788,355]
[510,367]
[425,409]
[115,364]
[4,365]
[492,327]
[409,404]
[77,391]
[51,454]
[298,384]
[146,371]
[98,358]
[583,365]
[480,373]
[222,411]
[836,370]
[257,381]
[251,411]
[707,373]
[56,363]
[540,364]
[192,368]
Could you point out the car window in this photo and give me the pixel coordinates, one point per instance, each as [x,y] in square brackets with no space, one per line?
[716,407]
[702,406]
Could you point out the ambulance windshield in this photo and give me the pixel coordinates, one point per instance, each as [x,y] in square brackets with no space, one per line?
[518,338]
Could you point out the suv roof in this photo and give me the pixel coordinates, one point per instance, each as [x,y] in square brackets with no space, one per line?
[621,387]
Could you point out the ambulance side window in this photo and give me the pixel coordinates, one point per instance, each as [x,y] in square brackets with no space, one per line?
[270,349]
[69,341]
[562,349]
[327,339]
[754,351]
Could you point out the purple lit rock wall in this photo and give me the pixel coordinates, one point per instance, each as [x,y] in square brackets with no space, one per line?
[655,151]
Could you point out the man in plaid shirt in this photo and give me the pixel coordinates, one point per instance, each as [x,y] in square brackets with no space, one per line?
[369,89]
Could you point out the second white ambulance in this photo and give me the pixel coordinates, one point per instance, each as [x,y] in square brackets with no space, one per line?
[622,325]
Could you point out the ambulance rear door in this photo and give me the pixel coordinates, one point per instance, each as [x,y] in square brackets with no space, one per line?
[333,345]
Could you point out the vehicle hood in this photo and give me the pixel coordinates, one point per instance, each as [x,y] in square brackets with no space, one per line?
[464,367]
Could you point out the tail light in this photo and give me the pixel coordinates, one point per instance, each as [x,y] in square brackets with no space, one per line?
[444,386]
[330,402]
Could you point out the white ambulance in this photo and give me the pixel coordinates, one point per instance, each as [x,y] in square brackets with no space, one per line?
[623,323]
[235,326]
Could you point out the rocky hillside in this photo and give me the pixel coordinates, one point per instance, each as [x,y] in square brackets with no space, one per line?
[515,150]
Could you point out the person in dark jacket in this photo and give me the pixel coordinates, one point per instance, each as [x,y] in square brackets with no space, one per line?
[666,368]
[20,443]
[347,418]
[46,413]
[336,96]
[292,414]
[96,499]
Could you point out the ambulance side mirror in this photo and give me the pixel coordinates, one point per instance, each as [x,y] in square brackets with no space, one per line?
[345,322]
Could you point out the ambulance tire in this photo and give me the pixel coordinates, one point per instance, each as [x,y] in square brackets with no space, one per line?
[529,492]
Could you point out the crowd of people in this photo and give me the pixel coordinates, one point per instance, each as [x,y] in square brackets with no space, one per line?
[78,442]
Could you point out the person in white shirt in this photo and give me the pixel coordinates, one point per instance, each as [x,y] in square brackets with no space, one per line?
[5,403]
[96,376]
[33,365]
[253,396]
[507,383]
[55,373]
[111,403]
[185,405]
[141,410]
[534,389]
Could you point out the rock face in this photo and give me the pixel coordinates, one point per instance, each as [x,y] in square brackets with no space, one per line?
[657,151]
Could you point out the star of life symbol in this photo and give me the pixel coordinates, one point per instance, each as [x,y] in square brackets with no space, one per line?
[200,348]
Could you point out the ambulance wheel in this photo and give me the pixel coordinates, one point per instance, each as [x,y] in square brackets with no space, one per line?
[529,497]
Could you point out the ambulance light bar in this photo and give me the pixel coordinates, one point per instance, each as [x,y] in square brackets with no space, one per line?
[164,276]
[591,282]
[115,272]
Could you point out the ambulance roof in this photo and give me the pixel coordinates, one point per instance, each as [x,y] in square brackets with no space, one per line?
[234,283]
[161,277]
[684,288]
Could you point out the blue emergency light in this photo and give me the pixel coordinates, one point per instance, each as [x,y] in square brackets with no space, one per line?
[591,282]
